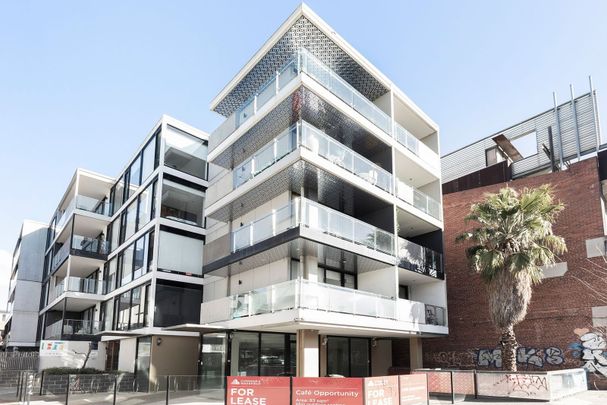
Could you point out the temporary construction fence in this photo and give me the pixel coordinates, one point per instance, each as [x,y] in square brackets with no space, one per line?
[108,389]
[112,389]
[538,385]
[19,360]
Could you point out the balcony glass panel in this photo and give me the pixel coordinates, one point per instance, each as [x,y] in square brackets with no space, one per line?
[320,143]
[60,256]
[100,207]
[181,203]
[90,245]
[315,216]
[83,285]
[306,294]
[56,291]
[185,152]
[80,327]
[419,259]
[342,89]
[266,93]
[419,200]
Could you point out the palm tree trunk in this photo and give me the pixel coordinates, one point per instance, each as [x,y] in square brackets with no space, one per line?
[509,348]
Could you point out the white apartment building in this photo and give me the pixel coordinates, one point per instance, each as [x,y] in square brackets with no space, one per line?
[324,216]
[21,323]
[123,259]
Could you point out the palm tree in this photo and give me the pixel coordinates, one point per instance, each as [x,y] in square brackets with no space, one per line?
[512,239]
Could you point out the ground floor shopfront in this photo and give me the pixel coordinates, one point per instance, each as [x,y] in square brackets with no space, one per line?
[304,353]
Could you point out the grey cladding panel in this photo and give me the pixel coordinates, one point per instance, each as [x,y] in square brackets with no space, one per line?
[472,157]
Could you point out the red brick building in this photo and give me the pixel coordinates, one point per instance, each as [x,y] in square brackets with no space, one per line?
[566,324]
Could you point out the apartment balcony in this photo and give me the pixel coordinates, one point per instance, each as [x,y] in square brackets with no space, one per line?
[304,62]
[72,329]
[314,216]
[302,300]
[312,221]
[79,293]
[334,156]
[419,259]
[87,248]
[84,204]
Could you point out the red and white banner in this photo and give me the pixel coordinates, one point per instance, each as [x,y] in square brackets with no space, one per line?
[327,391]
[258,391]
[413,389]
[381,390]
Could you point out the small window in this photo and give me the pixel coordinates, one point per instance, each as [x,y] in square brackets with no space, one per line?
[526,144]
[403,292]
[494,155]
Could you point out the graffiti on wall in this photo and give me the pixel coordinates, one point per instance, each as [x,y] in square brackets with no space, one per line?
[591,350]
[525,356]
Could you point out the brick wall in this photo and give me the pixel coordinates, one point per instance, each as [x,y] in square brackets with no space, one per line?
[561,307]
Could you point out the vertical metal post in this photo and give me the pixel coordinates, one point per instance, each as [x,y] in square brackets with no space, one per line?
[115,389]
[475,385]
[167,395]
[18,384]
[575,123]
[452,388]
[41,382]
[558,128]
[551,147]
[595,114]
[67,391]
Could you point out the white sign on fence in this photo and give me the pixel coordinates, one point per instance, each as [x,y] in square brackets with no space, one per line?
[52,348]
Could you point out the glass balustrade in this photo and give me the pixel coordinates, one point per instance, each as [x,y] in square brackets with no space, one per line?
[305,294]
[53,331]
[304,61]
[89,245]
[418,199]
[56,291]
[419,259]
[89,204]
[80,327]
[83,285]
[314,216]
[60,256]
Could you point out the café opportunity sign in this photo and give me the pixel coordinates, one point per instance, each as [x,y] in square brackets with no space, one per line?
[258,390]
[327,391]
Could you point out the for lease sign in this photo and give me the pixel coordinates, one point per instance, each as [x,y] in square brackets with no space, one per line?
[327,391]
[258,391]
[381,390]
[413,389]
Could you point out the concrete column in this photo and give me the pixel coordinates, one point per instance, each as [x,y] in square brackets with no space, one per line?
[307,353]
[415,351]
[311,268]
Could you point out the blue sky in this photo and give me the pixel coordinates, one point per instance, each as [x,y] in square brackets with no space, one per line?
[81,83]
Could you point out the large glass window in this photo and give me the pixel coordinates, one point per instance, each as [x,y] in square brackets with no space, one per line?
[149,159]
[179,253]
[126,273]
[245,354]
[348,357]
[131,220]
[177,304]
[150,250]
[123,311]
[185,152]
[212,370]
[181,203]
[139,307]
[115,234]
[145,206]
[106,314]
[142,363]
[135,175]
[138,267]
[273,355]
[109,277]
